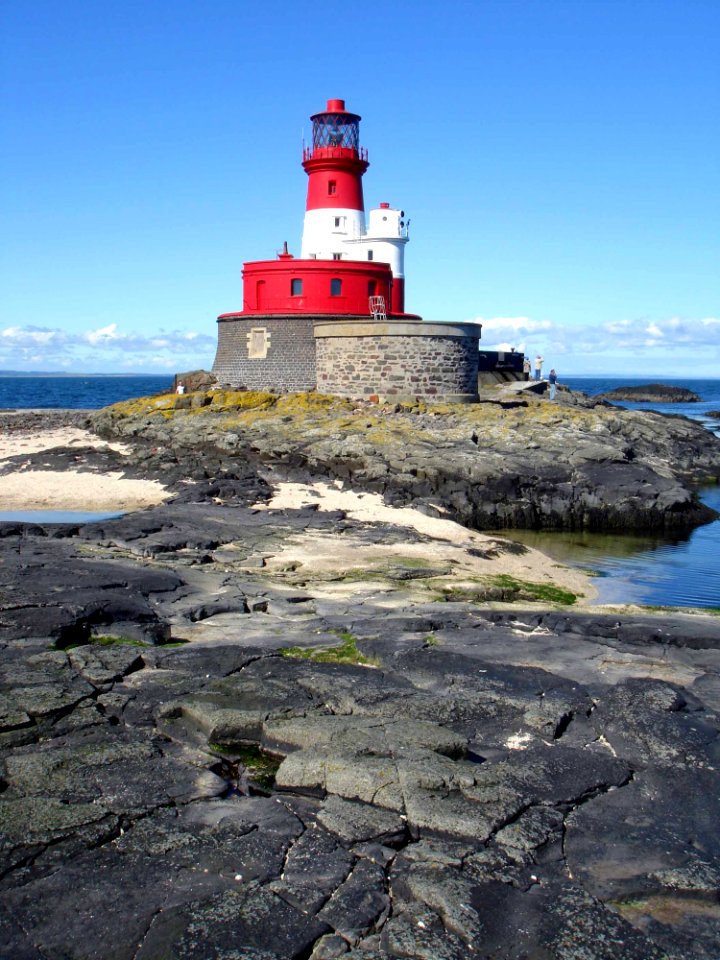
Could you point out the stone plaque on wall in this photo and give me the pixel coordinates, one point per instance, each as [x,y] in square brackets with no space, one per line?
[258,343]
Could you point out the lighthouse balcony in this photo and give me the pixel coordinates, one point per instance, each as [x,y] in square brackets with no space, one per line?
[335,153]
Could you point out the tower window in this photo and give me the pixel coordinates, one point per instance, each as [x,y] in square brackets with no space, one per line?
[335,287]
[337,221]
[296,288]
[370,255]
[372,288]
[332,187]
[337,256]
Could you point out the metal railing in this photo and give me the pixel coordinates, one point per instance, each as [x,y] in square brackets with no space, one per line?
[377,308]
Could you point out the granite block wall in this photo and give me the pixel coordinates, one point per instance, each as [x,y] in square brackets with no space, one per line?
[429,367]
[347,356]
[266,352]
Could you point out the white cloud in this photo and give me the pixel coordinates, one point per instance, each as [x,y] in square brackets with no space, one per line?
[655,340]
[103,334]
[104,349]
[617,326]
[29,335]
[513,323]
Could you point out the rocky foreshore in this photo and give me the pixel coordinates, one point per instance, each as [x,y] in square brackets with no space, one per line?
[513,460]
[232,728]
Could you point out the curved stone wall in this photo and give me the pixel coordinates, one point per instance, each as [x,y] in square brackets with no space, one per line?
[398,359]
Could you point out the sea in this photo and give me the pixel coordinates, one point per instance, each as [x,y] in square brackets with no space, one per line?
[68,392]
[648,570]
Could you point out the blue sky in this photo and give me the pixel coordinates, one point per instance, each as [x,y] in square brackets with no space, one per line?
[559,162]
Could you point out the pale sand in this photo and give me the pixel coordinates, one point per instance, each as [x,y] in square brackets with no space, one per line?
[33,489]
[316,554]
[326,554]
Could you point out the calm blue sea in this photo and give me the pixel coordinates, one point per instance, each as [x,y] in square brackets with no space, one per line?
[707,390]
[76,392]
[645,570]
[648,570]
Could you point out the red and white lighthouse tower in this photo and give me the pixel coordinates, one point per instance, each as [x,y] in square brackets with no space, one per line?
[343,262]
[335,164]
[335,227]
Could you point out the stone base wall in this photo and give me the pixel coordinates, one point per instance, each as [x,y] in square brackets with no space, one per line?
[398,360]
[351,357]
[266,352]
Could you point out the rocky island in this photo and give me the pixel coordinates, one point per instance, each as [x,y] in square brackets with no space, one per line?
[303,701]
[651,393]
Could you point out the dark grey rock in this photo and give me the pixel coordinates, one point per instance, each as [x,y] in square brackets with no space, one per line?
[360,905]
[434,804]
[651,393]
[314,868]
[252,921]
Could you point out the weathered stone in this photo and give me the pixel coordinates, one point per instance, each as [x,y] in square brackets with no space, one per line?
[355,822]
[263,926]
[360,904]
[314,868]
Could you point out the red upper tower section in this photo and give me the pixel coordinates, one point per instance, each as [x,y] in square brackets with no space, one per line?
[336,162]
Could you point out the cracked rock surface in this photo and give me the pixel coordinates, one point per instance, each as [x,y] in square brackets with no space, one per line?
[515,784]
[207,752]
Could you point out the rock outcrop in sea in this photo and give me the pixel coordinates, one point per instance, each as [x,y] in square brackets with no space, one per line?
[651,393]
[209,752]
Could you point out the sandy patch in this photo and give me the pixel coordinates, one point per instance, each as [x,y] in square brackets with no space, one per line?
[321,554]
[28,489]
[71,490]
[15,444]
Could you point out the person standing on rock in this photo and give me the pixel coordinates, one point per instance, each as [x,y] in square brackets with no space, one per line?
[526,368]
[538,366]
[552,380]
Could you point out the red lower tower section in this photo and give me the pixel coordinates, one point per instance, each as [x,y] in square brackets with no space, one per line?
[289,286]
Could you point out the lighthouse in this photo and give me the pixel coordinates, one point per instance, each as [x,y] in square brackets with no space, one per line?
[335,226]
[335,164]
[344,268]
[334,318]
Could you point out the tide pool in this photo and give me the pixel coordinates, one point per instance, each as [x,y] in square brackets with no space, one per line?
[54,516]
